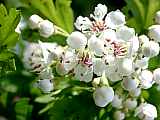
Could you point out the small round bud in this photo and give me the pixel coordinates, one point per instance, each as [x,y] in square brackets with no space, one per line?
[130,104]
[154,32]
[103,96]
[34,21]
[46,85]
[77,40]
[118,115]
[46,28]
[156,75]
[117,102]
[146,79]
[135,92]
[145,111]
[150,49]
[157,17]
[130,84]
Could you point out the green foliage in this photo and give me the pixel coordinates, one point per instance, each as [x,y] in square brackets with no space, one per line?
[23,109]
[8,37]
[141,13]
[59,12]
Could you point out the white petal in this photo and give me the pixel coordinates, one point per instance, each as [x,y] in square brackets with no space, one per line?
[83,73]
[115,19]
[98,66]
[34,21]
[125,33]
[96,45]
[157,17]
[77,40]
[156,75]
[108,35]
[154,32]
[100,11]
[103,96]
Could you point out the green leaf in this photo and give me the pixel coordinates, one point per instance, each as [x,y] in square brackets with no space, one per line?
[23,109]
[8,23]
[154,63]
[65,13]
[79,107]
[44,99]
[141,13]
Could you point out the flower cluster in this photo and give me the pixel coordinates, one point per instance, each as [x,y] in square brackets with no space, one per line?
[105,52]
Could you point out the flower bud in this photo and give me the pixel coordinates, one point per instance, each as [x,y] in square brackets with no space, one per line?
[130,84]
[157,17]
[146,79]
[103,96]
[145,111]
[130,104]
[77,40]
[135,92]
[34,21]
[46,28]
[46,85]
[118,115]
[154,32]
[117,102]
[156,75]
[142,63]
[150,49]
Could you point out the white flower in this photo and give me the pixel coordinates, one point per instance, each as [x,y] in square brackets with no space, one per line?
[33,57]
[98,66]
[117,102]
[96,45]
[142,63]
[46,28]
[157,17]
[115,19]
[34,21]
[156,75]
[135,92]
[77,40]
[146,111]
[103,96]
[114,77]
[125,33]
[118,115]
[100,11]
[125,66]
[51,51]
[46,85]
[130,104]
[146,79]
[130,84]
[83,24]
[70,60]
[83,72]
[154,32]
[143,39]
[150,49]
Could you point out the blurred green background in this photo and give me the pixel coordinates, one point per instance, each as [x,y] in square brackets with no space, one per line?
[19,100]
